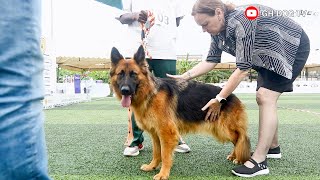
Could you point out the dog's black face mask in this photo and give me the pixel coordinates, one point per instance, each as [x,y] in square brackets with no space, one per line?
[127,82]
[124,74]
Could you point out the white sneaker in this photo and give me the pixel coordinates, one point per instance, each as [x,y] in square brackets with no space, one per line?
[182,148]
[133,151]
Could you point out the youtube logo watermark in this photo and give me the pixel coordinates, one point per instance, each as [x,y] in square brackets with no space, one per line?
[251,13]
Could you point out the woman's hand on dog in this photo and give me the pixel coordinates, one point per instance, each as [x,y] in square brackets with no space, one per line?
[177,76]
[214,110]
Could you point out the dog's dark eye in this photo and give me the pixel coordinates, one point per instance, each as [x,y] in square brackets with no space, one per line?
[133,74]
[121,73]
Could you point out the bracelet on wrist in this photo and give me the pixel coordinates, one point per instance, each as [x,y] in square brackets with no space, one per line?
[220,99]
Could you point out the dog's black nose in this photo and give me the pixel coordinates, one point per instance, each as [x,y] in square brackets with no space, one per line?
[125,90]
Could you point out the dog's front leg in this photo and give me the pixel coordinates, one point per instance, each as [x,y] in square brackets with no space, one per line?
[156,153]
[168,140]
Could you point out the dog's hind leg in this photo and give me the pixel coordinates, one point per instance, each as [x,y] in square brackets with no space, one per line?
[156,154]
[169,137]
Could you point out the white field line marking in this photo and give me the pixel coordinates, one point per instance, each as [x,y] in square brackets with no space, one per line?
[300,110]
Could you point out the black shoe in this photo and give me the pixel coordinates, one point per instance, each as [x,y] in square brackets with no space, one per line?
[258,169]
[273,153]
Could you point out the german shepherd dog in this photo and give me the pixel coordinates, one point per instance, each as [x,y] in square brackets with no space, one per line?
[165,107]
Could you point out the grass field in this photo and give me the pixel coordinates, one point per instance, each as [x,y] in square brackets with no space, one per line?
[85,141]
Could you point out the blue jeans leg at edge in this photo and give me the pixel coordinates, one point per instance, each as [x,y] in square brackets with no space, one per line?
[22,142]
[22,148]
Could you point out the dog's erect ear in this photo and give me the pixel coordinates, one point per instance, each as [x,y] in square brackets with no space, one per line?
[115,56]
[139,56]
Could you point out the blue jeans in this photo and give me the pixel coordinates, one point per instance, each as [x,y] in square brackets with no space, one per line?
[22,143]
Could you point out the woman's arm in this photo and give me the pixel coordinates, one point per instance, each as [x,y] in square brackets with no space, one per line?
[234,80]
[198,70]
[214,105]
[129,18]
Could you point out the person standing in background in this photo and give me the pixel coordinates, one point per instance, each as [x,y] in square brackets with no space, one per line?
[159,20]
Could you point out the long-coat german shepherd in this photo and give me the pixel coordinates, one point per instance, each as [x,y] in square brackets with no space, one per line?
[166,107]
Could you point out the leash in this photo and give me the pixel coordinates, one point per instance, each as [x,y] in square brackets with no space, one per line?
[145,31]
[144,38]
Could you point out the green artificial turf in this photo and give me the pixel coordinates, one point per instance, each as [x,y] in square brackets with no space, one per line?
[85,141]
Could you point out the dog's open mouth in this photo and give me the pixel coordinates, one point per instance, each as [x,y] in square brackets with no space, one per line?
[126,100]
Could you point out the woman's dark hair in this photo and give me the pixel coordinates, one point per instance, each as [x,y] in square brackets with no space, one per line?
[209,6]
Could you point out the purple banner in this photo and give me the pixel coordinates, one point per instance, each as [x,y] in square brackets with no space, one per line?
[77,82]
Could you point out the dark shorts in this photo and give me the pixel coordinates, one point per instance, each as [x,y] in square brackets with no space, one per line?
[160,67]
[275,82]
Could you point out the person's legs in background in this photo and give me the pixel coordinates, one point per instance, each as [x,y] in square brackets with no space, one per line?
[22,148]
[161,67]
[136,144]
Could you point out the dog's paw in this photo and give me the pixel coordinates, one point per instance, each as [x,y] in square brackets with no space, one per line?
[236,161]
[160,177]
[231,157]
[146,167]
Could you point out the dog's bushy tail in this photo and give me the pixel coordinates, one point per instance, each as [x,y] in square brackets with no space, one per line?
[242,147]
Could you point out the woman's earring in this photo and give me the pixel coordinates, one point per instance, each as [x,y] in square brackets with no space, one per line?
[219,18]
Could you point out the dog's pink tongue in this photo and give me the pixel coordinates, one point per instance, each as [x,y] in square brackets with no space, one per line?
[125,101]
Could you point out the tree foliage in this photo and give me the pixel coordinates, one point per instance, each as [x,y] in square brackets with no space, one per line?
[95,75]
[214,76]
[63,73]
[100,75]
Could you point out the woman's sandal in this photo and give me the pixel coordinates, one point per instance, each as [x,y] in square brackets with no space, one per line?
[258,169]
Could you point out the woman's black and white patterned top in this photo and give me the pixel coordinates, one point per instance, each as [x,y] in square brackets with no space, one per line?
[269,42]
